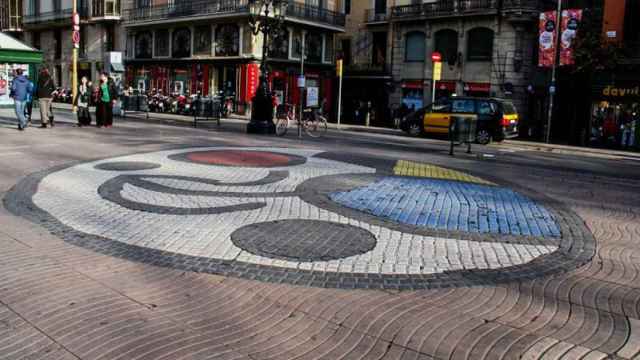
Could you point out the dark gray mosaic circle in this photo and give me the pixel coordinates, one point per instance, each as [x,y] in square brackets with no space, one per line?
[127,166]
[304,240]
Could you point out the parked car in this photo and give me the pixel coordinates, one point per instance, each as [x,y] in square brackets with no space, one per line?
[497,118]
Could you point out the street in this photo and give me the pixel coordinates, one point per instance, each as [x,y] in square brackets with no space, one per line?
[151,241]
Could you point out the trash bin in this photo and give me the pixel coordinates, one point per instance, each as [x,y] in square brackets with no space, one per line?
[462,130]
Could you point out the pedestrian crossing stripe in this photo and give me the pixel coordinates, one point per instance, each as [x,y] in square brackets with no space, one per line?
[416,169]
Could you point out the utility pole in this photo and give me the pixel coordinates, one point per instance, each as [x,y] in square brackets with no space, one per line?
[302,85]
[74,57]
[552,87]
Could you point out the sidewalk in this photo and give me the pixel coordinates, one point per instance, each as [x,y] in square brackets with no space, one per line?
[513,145]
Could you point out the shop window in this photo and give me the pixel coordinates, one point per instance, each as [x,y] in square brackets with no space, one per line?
[181,43]
[446,43]
[143,45]
[415,46]
[413,98]
[480,44]
[279,46]
[463,106]
[328,48]
[227,40]
[162,43]
[202,40]
[314,47]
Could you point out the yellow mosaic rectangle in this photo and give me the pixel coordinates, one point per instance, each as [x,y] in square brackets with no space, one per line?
[416,169]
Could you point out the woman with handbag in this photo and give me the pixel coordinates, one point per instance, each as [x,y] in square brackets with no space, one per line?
[82,102]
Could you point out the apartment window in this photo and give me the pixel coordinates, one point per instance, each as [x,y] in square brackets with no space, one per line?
[328,48]
[57,38]
[34,7]
[227,40]
[415,46]
[181,43]
[162,43]
[83,41]
[446,43]
[313,47]
[381,6]
[57,5]
[379,53]
[144,42]
[480,44]
[202,40]
[279,46]
[143,3]
[347,7]
[110,41]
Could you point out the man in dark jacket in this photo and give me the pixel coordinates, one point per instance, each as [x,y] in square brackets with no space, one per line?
[44,92]
[20,90]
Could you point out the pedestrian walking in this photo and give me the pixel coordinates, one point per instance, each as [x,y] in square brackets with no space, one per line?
[44,91]
[20,89]
[82,102]
[106,99]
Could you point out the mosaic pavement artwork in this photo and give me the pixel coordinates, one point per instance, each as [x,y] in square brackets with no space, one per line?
[305,217]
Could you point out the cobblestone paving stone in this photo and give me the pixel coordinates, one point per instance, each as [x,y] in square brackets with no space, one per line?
[63,301]
[188,222]
[412,168]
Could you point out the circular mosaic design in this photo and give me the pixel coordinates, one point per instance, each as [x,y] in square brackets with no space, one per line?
[304,240]
[241,158]
[320,220]
[126,166]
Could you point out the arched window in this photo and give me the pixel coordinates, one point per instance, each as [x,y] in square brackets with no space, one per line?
[446,43]
[480,44]
[415,46]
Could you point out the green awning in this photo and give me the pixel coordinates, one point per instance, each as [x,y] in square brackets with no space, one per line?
[15,52]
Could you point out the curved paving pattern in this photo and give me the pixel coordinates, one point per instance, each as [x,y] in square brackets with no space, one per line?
[197,216]
[59,301]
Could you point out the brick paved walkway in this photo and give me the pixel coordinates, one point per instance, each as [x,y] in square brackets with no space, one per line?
[59,300]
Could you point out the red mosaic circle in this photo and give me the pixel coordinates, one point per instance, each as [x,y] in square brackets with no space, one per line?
[240,158]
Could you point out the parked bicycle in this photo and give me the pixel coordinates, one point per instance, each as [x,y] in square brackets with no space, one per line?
[313,123]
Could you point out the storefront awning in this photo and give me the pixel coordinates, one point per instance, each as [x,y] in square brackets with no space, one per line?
[446,85]
[15,52]
[477,87]
[117,67]
[412,84]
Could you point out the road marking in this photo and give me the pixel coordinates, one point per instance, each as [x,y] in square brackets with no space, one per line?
[11,154]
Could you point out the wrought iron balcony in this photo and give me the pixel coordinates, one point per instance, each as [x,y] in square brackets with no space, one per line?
[56,17]
[443,8]
[521,5]
[371,16]
[216,8]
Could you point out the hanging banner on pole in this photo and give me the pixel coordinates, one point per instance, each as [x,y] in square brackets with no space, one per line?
[546,38]
[570,21]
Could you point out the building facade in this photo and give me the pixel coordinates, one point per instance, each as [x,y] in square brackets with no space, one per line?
[11,12]
[48,26]
[207,46]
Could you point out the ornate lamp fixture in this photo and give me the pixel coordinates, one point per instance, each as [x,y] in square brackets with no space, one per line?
[266,17]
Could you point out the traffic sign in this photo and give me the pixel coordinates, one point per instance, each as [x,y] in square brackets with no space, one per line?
[437,71]
[75,38]
[436,57]
[301,81]
[76,19]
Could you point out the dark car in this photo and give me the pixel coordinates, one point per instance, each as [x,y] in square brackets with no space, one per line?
[497,118]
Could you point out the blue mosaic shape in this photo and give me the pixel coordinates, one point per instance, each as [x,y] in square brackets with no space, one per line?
[451,205]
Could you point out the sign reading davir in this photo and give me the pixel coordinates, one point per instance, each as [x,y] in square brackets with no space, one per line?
[621,92]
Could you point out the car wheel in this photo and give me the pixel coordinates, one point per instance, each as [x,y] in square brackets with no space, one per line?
[414,129]
[483,137]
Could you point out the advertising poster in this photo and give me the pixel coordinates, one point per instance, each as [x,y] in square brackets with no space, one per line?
[570,22]
[312,96]
[546,38]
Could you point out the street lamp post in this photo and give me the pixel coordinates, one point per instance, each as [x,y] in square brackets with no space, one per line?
[266,17]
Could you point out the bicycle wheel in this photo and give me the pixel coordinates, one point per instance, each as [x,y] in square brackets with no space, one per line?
[282,126]
[316,128]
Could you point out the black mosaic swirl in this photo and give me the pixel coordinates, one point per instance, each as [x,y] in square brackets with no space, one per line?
[303,240]
[127,166]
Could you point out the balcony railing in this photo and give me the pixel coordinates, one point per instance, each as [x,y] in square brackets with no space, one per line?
[446,8]
[373,16]
[316,14]
[56,16]
[520,5]
[226,7]
[105,8]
